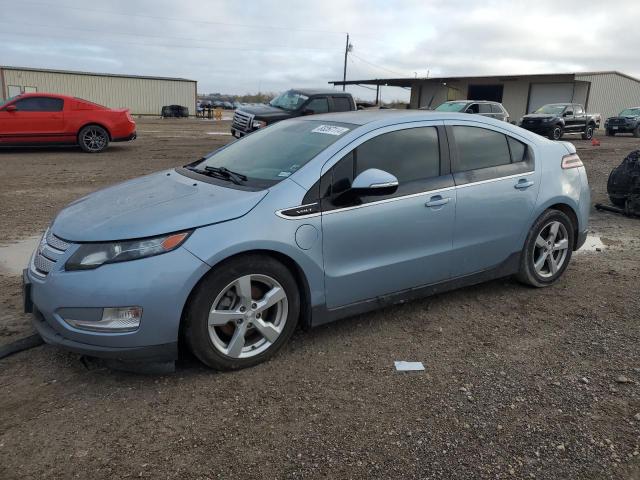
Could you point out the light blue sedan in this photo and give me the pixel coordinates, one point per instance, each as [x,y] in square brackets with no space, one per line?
[304,222]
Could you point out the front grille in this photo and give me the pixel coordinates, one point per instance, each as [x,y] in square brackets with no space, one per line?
[47,253]
[242,121]
[617,121]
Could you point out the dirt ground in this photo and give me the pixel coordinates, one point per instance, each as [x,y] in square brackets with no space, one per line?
[519,382]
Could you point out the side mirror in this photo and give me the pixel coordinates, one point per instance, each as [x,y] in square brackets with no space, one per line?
[308,111]
[375,182]
[11,108]
[567,114]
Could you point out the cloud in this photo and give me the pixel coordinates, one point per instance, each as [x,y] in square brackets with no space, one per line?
[268,45]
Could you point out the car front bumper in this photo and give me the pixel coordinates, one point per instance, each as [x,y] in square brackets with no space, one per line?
[160,285]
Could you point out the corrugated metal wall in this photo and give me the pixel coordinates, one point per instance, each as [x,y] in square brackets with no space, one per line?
[611,93]
[143,96]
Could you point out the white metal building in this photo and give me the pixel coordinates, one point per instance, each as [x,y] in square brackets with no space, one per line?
[141,95]
[606,93]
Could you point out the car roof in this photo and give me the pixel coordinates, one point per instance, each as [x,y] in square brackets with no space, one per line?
[391,117]
[471,101]
[319,91]
[49,95]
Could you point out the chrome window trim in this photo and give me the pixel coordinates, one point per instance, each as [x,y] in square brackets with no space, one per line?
[490,180]
[394,199]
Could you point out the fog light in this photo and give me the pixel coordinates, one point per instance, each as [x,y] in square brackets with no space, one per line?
[114,319]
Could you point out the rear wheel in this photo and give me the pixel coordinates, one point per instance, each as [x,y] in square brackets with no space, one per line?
[620,202]
[588,132]
[547,250]
[93,139]
[242,313]
[556,133]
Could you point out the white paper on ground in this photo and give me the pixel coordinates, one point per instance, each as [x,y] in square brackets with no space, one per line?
[403,366]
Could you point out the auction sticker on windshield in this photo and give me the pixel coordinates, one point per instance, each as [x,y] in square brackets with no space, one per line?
[330,130]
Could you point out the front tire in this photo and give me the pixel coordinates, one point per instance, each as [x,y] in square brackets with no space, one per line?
[547,250]
[588,133]
[242,312]
[556,133]
[93,139]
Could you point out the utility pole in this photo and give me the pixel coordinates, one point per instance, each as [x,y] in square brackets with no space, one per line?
[347,48]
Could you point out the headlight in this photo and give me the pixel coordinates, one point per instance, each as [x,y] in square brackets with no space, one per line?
[92,255]
[259,124]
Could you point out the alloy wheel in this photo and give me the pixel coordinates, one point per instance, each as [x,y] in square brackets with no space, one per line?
[557,133]
[248,316]
[94,139]
[550,250]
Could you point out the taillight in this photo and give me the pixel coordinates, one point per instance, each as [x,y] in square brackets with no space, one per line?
[571,161]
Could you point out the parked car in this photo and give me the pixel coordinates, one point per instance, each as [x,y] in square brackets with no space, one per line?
[481,107]
[227,105]
[627,122]
[315,219]
[556,119]
[49,119]
[174,111]
[290,104]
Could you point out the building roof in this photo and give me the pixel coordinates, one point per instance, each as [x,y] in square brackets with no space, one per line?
[407,81]
[94,74]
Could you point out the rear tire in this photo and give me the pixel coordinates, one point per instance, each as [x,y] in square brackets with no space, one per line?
[556,133]
[547,250]
[93,139]
[242,312]
[588,132]
[618,202]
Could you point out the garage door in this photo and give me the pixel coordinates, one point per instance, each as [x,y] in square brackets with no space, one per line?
[543,93]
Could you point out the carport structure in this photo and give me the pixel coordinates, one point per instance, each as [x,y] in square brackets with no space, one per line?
[606,92]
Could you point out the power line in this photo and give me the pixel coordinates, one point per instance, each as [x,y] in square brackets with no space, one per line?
[93,30]
[189,20]
[376,66]
[159,45]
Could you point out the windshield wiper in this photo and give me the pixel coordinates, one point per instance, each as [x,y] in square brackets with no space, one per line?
[224,172]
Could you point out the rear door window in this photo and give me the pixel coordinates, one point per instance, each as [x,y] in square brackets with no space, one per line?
[39,104]
[480,148]
[318,105]
[341,104]
[484,108]
[577,110]
[495,108]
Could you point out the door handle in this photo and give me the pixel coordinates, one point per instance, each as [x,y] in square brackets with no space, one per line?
[523,184]
[437,201]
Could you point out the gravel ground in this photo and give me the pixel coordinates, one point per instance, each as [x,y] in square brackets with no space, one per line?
[519,382]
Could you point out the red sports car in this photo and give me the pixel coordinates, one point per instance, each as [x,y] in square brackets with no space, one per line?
[44,119]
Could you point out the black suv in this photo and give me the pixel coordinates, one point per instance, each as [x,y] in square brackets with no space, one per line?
[480,107]
[556,119]
[292,103]
[627,122]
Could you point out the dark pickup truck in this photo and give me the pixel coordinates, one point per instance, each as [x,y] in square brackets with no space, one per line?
[627,122]
[290,104]
[556,119]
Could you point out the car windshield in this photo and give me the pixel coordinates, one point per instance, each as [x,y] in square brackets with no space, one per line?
[452,107]
[630,112]
[551,109]
[289,100]
[270,155]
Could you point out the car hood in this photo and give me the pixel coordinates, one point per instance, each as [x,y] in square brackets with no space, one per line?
[156,204]
[539,115]
[625,117]
[267,111]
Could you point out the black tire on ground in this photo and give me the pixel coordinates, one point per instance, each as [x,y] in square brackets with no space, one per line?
[215,282]
[588,132]
[618,202]
[93,139]
[528,274]
[610,133]
[636,132]
[556,133]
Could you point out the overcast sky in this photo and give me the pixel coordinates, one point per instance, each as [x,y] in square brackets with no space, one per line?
[247,46]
